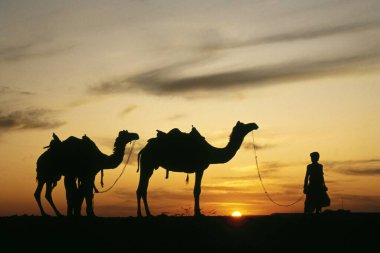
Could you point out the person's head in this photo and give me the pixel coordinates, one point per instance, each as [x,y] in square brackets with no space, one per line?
[314,157]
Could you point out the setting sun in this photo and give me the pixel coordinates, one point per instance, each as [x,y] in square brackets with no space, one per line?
[236,214]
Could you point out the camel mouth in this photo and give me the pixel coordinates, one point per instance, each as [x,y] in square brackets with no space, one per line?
[252,126]
[135,137]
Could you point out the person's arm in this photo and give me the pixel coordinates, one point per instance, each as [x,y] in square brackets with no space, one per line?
[323,179]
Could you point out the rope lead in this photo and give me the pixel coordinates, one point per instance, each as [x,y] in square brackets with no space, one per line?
[262,184]
[117,179]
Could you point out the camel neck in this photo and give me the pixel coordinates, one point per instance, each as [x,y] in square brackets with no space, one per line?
[223,155]
[114,160]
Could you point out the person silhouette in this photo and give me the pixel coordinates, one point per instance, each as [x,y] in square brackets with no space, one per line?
[315,187]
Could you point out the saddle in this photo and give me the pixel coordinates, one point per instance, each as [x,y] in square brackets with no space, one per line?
[54,143]
[177,137]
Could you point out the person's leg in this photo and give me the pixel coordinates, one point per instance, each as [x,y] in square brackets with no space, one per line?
[307,207]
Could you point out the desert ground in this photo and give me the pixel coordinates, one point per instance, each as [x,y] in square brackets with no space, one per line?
[327,232]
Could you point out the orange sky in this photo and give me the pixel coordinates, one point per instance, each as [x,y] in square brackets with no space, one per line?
[307,72]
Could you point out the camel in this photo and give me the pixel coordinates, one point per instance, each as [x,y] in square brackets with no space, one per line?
[190,153]
[75,159]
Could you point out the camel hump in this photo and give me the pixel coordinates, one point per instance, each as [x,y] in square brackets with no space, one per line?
[90,143]
[74,141]
[172,133]
[87,140]
[176,134]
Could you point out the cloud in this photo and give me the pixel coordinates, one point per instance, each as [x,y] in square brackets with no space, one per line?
[176,117]
[364,172]
[359,203]
[363,198]
[28,119]
[369,167]
[361,171]
[168,80]
[237,178]
[161,81]
[85,101]
[210,194]
[123,84]
[270,168]
[128,110]
[223,188]
[157,194]
[5,90]
[249,146]
[30,50]
[309,33]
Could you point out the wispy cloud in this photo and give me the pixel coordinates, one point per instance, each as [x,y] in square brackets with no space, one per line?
[128,110]
[30,50]
[157,194]
[161,81]
[308,33]
[28,119]
[210,194]
[5,90]
[249,146]
[236,178]
[365,203]
[364,198]
[362,172]
[176,116]
[87,100]
[370,167]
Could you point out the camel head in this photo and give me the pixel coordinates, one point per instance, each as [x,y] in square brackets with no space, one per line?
[125,136]
[244,129]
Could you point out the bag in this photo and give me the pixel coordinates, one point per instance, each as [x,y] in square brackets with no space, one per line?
[325,199]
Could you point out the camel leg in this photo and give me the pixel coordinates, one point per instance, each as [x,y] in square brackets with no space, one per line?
[142,191]
[197,192]
[49,189]
[139,195]
[79,198]
[70,194]
[37,196]
[89,195]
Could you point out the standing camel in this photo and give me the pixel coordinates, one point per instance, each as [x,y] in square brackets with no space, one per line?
[189,155]
[75,159]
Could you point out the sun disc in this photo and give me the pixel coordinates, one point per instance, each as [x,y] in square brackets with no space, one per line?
[236,214]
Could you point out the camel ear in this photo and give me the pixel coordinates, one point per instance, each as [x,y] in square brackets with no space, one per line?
[55,137]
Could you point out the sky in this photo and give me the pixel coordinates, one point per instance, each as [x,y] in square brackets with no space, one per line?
[306,72]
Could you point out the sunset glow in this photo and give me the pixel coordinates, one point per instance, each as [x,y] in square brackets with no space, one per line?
[306,72]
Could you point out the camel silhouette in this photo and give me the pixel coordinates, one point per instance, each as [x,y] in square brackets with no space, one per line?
[189,153]
[76,159]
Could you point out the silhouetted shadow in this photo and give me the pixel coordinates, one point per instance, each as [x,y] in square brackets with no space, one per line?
[78,160]
[188,153]
[315,187]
